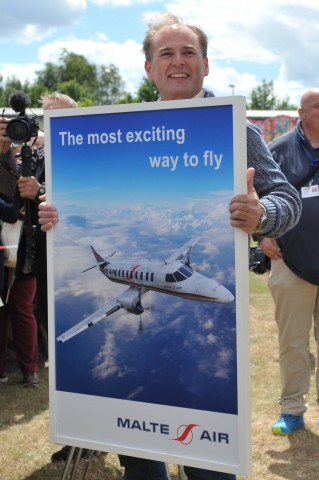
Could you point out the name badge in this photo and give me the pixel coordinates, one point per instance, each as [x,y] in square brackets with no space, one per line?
[310,191]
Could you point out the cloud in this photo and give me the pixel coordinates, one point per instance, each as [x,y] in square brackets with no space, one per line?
[248,41]
[33,22]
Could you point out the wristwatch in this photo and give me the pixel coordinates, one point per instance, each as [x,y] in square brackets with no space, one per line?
[263,220]
[40,192]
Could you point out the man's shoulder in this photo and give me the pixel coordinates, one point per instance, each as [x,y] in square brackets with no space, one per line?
[251,127]
[282,140]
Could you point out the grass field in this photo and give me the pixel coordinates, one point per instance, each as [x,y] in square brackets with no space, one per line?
[24,417]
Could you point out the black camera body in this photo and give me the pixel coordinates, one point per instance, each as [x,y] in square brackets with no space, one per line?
[258,262]
[22,128]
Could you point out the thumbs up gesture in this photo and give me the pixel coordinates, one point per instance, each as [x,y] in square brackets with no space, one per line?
[245,210]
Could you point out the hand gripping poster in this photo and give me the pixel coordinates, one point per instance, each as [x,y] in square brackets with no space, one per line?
[148,281]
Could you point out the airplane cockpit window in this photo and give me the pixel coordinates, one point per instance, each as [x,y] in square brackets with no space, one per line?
[181,274]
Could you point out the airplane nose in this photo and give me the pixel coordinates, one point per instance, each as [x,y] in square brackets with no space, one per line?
[223,295]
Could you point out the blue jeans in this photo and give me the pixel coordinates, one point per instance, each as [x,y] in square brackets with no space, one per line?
[142,469]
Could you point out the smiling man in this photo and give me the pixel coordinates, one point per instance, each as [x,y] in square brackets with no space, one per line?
[176,60]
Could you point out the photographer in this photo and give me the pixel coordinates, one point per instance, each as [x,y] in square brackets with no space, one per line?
[20,284]
[29,288]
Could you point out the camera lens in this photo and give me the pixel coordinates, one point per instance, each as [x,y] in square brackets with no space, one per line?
[18,130]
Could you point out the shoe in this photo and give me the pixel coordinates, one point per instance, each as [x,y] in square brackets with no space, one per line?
[286,424]
[30,379]
[3,378]
[62,455]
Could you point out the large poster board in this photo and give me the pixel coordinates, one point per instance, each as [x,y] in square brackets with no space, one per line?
[148,282]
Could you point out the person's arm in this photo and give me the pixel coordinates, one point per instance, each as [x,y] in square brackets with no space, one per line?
[245,210]
[9,209]
[28,187]
[280,199]
[270,248]
[5,142]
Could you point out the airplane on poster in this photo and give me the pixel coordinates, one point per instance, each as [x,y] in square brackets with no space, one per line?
[173,276]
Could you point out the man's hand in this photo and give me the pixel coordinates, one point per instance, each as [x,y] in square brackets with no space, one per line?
[28,187]
[270,248]
[48,215]
[244,209]
[5,142]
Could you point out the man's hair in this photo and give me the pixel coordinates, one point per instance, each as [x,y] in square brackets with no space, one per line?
[167,19]
[57,97]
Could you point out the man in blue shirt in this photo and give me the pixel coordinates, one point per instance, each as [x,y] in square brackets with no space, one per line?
[294,277]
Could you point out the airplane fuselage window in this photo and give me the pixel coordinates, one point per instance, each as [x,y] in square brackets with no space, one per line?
[136,275]
[180,274]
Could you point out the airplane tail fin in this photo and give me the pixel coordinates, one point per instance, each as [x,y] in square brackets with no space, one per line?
[101,262]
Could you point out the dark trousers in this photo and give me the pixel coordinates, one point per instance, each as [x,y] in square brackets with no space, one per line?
[19,311]
[41,312]
[142,469]
[199,474]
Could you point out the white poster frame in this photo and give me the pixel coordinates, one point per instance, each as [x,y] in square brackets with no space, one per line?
[77,419]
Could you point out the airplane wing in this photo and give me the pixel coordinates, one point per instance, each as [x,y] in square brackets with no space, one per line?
[91,320]
[182,251]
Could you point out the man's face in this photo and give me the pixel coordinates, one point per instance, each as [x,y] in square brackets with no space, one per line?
[309,112]
[177,66]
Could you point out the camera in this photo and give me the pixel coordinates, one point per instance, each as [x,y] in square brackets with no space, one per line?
[22,128]
[258,262]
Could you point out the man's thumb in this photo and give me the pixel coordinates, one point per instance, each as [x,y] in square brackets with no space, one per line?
[250,180]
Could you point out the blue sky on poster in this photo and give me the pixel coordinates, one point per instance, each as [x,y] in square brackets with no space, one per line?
[249,41]
[165,160]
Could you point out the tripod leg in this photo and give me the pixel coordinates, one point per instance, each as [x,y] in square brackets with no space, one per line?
[76,463]
[68,463]
[181,473]
[88,458]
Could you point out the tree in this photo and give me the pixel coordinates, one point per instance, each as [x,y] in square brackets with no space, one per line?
[110,85]
[147,91]
[284,104]
[73,76]
[263,98]
[87,83]
[10,86]
[49,77]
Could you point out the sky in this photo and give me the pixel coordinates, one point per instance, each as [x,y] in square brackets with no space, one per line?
[248,41]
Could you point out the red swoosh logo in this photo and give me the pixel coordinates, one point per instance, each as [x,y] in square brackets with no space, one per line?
[186,432]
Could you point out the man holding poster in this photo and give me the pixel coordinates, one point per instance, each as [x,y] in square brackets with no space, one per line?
[176,60]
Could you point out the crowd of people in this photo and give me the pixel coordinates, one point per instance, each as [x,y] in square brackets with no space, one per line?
[281,216]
